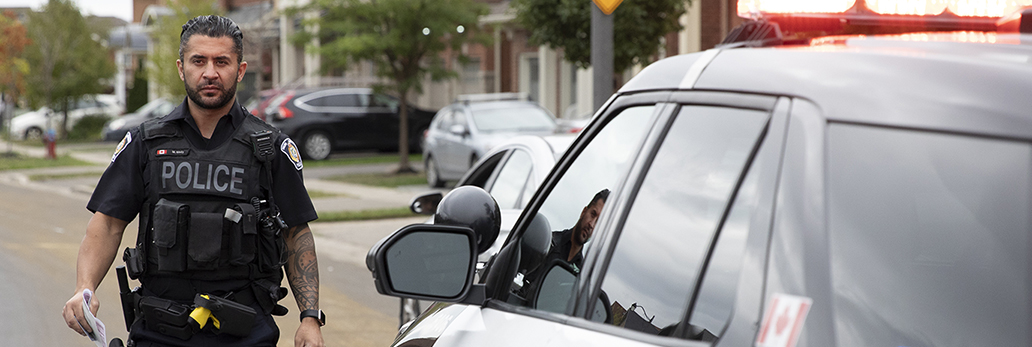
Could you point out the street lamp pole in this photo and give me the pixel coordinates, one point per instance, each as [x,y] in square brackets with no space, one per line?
[601,56]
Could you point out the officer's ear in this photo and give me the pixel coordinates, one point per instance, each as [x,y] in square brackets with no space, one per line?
[241,69]
[179,66]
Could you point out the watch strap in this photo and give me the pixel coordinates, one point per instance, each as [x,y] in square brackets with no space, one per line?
[317,314]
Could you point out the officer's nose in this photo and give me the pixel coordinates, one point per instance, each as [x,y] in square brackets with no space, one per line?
[209,72]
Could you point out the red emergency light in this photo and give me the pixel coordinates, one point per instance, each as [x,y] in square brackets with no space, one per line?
[799,20]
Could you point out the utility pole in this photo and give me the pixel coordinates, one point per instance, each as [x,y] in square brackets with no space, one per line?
[602,51]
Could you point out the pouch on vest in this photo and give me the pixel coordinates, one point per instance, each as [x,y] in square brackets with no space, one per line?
[243,233]
[170,222]
[205,242]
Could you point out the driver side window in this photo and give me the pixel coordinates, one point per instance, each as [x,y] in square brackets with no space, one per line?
[564,225]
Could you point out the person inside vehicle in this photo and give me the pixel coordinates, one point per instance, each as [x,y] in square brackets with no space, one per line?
[567,245]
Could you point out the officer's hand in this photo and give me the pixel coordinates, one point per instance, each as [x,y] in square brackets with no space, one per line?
[73,315]
[308,334]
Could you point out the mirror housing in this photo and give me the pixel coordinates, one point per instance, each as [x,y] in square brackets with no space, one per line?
[471,207]
[426,204]
[458,129]
[427,262]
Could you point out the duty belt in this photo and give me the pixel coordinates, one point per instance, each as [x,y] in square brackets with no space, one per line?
[183,321]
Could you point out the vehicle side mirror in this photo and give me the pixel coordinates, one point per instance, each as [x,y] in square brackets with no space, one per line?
[458,129]
[556,288]
[426,204]
[428,262]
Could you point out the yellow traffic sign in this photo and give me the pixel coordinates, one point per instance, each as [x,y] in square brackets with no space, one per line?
[607,6]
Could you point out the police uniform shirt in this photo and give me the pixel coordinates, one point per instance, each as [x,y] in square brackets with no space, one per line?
[122,188]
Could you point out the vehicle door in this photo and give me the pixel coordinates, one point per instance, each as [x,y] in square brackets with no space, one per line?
[691,181]
[383,114]
[351,125]
[455,154]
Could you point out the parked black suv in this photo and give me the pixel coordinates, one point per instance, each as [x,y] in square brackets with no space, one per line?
[850,191]
[326,120]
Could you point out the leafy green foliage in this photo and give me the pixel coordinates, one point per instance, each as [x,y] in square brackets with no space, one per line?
[165,43]
[137,95]
[405,40]
[66,56]
[638,26]
[88,127]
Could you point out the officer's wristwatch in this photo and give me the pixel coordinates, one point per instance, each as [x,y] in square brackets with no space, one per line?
[317,314]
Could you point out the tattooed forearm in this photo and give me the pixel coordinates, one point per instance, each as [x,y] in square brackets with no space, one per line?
[303,267]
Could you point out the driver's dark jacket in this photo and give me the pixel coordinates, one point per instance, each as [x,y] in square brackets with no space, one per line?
[122,190]
[560,249]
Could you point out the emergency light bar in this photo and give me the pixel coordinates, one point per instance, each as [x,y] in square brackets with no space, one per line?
[776,22]
[959,8]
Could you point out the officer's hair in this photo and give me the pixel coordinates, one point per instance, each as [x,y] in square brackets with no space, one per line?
[212,26]
[601,195]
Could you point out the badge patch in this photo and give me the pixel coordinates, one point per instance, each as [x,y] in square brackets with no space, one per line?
[290,149]
[121,145]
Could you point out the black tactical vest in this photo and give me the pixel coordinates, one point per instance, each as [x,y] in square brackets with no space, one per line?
[200,218]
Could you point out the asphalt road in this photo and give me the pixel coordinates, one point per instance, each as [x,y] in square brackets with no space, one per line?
[41,225]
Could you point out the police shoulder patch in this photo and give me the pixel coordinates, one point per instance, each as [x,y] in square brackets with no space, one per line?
[122,145]
[290,149]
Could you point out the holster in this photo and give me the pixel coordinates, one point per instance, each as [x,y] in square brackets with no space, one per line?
[167,317]
[267,294]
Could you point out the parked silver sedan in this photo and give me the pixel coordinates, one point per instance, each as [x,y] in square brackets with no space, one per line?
[466,130]
[511,173]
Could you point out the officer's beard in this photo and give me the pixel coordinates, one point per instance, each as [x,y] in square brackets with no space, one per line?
[195,95]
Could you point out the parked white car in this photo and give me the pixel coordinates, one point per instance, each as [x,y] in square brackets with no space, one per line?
[32,125]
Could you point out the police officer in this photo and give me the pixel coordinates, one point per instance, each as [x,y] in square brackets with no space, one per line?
[223,211]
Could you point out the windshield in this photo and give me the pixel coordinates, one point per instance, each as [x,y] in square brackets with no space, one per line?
[150,106]
[513,119]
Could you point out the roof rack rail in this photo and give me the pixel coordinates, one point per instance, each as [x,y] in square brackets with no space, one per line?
[468,98]
[753,33]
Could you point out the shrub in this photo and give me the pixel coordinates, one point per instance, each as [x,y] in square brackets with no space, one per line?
[88,128]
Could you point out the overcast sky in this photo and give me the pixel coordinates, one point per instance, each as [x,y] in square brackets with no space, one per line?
[114,8]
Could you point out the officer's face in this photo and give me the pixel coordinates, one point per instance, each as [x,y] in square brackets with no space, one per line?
[586,223]
[210,71]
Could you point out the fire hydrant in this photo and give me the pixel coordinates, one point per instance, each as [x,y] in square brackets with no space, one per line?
[50,138]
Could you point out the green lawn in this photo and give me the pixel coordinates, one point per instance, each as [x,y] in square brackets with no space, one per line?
[341,216]
[18,161]
[381,180]
[50,177]
[414,159]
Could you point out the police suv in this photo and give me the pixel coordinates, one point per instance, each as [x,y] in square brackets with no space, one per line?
[780,190]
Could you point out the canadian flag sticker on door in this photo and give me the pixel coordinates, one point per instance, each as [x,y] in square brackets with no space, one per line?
[783,321]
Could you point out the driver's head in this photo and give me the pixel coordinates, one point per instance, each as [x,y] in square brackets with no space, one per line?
[589,215]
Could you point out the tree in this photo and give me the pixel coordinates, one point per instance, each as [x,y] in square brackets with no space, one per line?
[405,40]
[68,59]
[13,67]
[638,26]
[165,44]
[137,95]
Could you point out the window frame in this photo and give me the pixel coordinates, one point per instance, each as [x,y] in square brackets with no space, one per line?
[588,283]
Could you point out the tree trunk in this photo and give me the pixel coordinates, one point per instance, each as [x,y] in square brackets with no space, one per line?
[63,132]
[403,145]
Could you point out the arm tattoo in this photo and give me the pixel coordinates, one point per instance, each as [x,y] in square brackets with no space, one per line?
[302,267]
